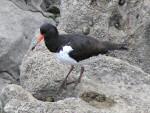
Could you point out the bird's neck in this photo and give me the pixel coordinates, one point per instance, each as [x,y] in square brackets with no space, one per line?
[52,43]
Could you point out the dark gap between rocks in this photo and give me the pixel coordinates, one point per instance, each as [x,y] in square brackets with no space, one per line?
[44,96]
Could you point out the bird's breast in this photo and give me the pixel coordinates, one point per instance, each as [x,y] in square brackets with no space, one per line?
[63,55]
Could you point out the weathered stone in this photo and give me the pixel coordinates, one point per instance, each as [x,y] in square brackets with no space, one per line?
[48,8]
[124,21]
[17,28]
[33,68]
[86,30]
[70,105]
[109,85]
[122,84]
[15,92]
[16,100]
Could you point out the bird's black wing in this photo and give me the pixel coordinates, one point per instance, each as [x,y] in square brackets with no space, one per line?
[85,47]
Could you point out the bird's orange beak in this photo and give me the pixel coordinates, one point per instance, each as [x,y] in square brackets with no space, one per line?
[40,37]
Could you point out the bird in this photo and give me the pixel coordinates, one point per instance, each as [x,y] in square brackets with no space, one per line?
[73,48]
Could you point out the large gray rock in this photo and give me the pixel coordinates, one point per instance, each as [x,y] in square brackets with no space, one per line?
[17,28]
[126,85]
[70,105]
[17,100]
[48,8]
[13,91]
[107,20]
[41,62]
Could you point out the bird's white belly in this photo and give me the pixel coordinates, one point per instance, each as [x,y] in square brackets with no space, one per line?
[63,56]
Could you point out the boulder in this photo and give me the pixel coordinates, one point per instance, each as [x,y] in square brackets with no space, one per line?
[14,91]
[17,100]
[40,72]
[70,105]
[48,8]
[109,84]
[125,22]
[17,28]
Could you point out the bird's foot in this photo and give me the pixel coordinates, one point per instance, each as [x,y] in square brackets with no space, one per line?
[75,82]
[65,84]
[62,86]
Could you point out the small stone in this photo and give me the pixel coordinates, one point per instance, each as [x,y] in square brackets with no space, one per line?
[117,25]
[57,20]
[91,23]
[86,30]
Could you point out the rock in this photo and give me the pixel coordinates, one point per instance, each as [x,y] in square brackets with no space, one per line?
[17,30]
[115,85]
[13,91]
[121,21]
[86,30]
[48,8]
[109,85]
[17,100]
[70,105]
[32,68]
[22,107]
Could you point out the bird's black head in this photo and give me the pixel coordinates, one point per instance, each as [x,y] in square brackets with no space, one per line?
[48,30]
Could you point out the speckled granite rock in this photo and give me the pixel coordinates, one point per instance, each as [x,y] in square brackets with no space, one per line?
[69,105]
[15,92]
[48,8]
[109,85]
[17,29]
[17,100]
[127,85]
[127,22]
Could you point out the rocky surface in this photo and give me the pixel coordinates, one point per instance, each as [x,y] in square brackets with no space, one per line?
[109,20]
[109,85]
[23,102]
[125,87]
[48,8]
[15,92]
[17,28]
[32,68]
[15,99]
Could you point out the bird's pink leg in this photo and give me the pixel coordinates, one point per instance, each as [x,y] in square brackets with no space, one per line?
[79,79]
[64,83]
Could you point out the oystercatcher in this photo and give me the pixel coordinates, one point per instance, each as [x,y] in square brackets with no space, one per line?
[73,48]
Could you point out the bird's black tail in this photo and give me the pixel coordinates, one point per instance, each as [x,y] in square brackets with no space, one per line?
[121,47]
[114,46]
